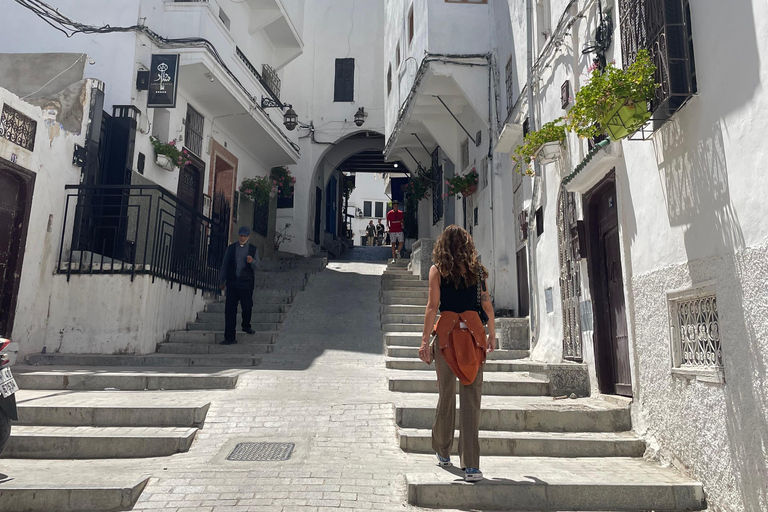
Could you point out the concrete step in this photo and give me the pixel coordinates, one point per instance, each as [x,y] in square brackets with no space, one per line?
[67,486]
[531,414]
[214,348]
[219,326]
[404,284]
[494,384]
[218,307]
[413,319]
[522,365]
[217,336]
[402,328]
[533,483]
[256,317]
[293,288]
[135,379]
[411,293]
[536,444]
[179,360]
[402,309]
[97,442]
[405,276]
[496,355]
[110,409]
[420,302]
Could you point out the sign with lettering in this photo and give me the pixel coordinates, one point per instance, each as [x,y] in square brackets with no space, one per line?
[163,81]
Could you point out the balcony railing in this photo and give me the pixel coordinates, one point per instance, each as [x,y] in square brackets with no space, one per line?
[270,76]
[141,229]
[259,78]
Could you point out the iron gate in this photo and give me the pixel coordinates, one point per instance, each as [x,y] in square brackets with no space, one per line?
[570,284]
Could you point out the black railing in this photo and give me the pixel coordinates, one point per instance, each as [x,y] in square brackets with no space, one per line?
[265,83]
[270,76]
[140,229]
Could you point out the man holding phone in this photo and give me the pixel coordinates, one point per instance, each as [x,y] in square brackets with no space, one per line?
[238,279]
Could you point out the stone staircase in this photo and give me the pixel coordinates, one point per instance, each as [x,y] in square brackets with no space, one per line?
[107,408]
[538,452]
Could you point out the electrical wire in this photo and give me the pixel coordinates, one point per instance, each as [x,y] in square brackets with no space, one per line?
[70,27]
[49,82]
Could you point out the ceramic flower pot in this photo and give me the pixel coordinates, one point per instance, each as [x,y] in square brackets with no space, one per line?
[625,118]
[165,162]
[547,152]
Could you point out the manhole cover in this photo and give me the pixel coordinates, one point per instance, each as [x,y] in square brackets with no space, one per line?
[262,451]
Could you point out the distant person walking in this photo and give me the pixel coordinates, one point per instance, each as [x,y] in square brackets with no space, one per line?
[380,233]
[395,225]
[370,232]
[457,288]
[238,278]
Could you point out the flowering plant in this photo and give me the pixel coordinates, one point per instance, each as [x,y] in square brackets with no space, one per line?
[607,92]
[282,179]
[553,131]
[169,149]
[462,183]
[260,188]
[418,188]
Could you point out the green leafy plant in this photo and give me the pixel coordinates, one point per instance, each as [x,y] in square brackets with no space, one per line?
[283,181]
[349,186]
[614,92]
[462,183]
[553,131]
[258,189]
[179,157]
[418,187]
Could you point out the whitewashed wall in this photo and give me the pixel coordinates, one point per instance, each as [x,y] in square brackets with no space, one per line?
[332,29]
[369,187]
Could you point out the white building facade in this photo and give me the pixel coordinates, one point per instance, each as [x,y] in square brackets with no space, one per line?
[646,258]
[161,226]
[369,201]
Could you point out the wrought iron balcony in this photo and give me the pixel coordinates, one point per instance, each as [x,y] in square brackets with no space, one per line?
[265,82]
[273,81]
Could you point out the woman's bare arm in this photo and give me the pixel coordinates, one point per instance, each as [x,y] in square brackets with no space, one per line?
[430,314]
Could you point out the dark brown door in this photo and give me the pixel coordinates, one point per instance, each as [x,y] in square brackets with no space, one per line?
[611,341]
[522,282]
[187,231]
[318,212]
[15,198]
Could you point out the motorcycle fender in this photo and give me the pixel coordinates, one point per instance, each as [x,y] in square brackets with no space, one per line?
[8,406]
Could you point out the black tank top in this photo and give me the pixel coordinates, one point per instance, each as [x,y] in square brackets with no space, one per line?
[458,299]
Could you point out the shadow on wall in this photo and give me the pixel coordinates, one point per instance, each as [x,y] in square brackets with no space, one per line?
[694,176]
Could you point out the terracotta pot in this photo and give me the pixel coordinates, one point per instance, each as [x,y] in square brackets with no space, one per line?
[469,190]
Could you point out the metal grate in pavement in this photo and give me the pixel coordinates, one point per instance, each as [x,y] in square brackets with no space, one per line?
[262,451]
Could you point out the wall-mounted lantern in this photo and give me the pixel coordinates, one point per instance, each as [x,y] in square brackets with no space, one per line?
[360,116]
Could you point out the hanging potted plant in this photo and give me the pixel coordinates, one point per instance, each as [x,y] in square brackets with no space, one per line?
[282,181]
[464,184]
[167,155]
[615,101]
[542,145]
[258,189]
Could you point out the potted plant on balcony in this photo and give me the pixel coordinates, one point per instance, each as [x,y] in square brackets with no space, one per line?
[167,155]
[542,145]
[614,101]
[464,184]
[283,181]
[258,189]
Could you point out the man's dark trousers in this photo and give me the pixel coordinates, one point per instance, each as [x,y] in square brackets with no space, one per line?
[244,295]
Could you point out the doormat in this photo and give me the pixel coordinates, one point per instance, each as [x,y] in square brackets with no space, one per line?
[262,452]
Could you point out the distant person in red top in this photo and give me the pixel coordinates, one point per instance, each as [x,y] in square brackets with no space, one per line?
[395,225]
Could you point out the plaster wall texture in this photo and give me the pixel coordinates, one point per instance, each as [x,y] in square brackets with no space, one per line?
[333,30]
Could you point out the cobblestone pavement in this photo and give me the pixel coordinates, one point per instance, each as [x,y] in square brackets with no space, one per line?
[325,389]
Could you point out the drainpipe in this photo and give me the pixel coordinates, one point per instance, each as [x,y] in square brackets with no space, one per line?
[532,303]
[491,64]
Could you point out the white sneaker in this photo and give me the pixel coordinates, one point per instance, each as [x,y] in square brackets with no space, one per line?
[443,462]
[473,475]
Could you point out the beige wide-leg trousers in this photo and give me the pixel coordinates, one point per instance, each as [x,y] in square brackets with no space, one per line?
[445,416]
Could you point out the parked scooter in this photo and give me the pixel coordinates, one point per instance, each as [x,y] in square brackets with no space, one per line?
[8,388]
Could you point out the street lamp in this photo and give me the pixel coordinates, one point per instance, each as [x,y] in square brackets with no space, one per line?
[290,119]
[360,116]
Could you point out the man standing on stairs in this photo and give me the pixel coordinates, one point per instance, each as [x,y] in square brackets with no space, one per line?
[237,277]
[395,225]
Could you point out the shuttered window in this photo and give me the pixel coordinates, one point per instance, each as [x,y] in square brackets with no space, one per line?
[344,89]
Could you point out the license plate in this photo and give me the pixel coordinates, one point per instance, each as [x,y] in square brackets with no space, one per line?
[7,383]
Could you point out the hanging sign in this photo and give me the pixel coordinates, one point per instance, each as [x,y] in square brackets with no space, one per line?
[163,81]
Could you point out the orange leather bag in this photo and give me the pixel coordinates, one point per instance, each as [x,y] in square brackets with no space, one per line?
[463,349]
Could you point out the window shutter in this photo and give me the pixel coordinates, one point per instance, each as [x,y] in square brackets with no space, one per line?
[344,88]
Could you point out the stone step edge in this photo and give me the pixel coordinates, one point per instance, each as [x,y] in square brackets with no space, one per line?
[85,497]
[138,382]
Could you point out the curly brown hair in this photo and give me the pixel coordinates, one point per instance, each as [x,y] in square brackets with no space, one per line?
[455,257]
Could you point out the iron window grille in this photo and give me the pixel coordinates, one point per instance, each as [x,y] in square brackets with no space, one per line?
[193,132]
[539,218]
[663,27]
[484,173]
[18,128]
[271,79]
[509,72]
[695,329]
[570,275]
[344,86]
[410,25]
[261,217]
[389,80]
[465,154]
[437,187]
[565,94]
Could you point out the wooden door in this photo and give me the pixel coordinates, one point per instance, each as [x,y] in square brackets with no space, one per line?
[522,282]
[607,282]
[15,199]
[186,232]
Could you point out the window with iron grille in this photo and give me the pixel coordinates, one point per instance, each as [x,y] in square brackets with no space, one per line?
[663,27]
[389,79]
[379,209]
[367,208]
[397,56]
[509,84]
[344,87]
[437,188]
[193,131]
[465,154]
[695,329]
[565,94]
[410,25]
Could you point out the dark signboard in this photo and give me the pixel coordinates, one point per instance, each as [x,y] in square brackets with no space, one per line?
[163,81]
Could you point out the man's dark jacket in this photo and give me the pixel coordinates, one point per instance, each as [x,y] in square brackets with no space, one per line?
[247,279]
